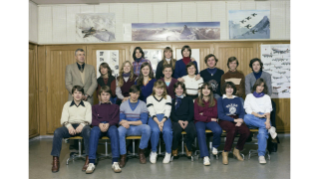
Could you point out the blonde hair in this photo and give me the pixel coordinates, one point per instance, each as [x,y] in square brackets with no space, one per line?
[160,84]
[201,95]
[173,61]
[120,77]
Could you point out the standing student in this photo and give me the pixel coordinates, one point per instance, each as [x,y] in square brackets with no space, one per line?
[105,117]
[182,116]
[234,76]
[133,121]
[180,66]
[205,116]
[107,79]
[75,119]
[191,83]
[159,105]
[124,82]
[167,60]
[145,81]
[258,108]
[168,80]
[231,114]
[212,74]
[138,56]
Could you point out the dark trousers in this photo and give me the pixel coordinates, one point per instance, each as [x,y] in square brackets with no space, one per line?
[273,114]
[63,132]
[231,132]
[190,134]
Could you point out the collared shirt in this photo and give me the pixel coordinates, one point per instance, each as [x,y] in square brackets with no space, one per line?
[73,103]
[137,65]
[81,67]
[233,96]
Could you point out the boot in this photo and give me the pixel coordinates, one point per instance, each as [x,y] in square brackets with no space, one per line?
[55,164]
[141,156]
[122,160]
[188,153]
[236,153]
[225,157]
[86,164]
[175,153]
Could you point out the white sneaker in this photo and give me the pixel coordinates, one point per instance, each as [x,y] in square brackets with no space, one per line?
[272,132]
[215,151]
[206,161]
[153,157]
[116,168]
[90,168]
[167,158]
[262,160]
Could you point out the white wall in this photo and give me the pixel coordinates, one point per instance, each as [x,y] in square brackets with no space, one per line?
[57,22]
[33,22]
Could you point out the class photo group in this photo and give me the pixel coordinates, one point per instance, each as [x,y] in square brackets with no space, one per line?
[176,98]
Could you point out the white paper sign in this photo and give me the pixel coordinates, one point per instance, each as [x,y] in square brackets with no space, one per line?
[111,57]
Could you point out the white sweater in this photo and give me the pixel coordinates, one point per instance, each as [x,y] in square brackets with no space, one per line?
[162,106]
[253,104]
[76,115]
[192,85]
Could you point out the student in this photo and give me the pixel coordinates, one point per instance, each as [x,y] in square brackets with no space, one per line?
[105,117]
[205,116]
[124,82]
[182,116]
[234,76]
[138,56]
[76,118]
[168,80]
[180,66]
[159,105]
[212,74]
[258,107]
[133,121]
[231,114]
[167,60]
[145,81]
[108,79]
[192,85]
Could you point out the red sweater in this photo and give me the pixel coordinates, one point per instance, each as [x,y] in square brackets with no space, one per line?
[105,113]
[208,112]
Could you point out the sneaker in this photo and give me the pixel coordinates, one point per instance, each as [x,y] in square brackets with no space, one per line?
[272,132]
[262,160]
[153,157]
[116,168]
[206,161]
[90,168]
[215,151]
[167,158]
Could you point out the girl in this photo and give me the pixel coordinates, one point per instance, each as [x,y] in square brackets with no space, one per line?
[145,81]
[124,82]
[192,85]
[205,115]
[108,79]
[138,56]
[159,105]
[258,108]
[167,60]
[180,66]
[168,80]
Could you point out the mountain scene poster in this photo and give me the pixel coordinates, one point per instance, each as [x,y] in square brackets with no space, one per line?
[176,31]
[249,24]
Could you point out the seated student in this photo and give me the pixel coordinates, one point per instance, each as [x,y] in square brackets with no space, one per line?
[167,60]
[180,65]
[258,108]
[182,116]
[231,114]
[169,81]
[76,118]
[159,105]
[145,81]
[205,116]
[133,121]
[105,117]
[124,82]
[106,78]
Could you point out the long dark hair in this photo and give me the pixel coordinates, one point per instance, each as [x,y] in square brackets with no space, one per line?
[201,96]
[141,51]
[258,83]
[139,81]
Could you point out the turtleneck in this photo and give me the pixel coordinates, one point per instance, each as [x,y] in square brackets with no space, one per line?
[258,95]
[168,59]
[126,74]
[258,74]
[186,60]
[138,59]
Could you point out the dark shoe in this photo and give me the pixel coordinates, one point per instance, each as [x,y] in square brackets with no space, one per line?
[141,156]
[86,164]
[274,147]
[122,160]
[55,165]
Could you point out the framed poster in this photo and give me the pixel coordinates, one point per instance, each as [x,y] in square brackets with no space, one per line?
[111,57]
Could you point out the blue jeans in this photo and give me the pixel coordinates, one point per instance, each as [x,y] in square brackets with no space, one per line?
[167,133]
[201,136]
[255,122]
[96,134]
[141,130]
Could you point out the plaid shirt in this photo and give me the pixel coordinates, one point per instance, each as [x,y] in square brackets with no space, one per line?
[137,65]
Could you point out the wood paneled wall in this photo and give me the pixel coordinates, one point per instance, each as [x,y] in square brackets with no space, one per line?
[52,60]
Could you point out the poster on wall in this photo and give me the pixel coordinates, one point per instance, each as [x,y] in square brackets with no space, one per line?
[111,57]
[249,24]
[154,56]
[195,55]
[175,31]
[95,27]
[276,60]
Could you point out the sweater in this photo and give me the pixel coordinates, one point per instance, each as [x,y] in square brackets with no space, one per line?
[72,114]
[250,81]
[106,82]
[257,105]
[170,87]
[208,112]
[185,112]
[105,112]
[162,106]
[159,70]
[123,91]
[180,69]
[147,89]
[192,85]
[237,78]
[230,107]
[214,80]
[140,112]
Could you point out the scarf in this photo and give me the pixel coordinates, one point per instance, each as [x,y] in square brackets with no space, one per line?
[178,101]
[126,74]
[257,75]
[258,95]
[212,71]
[186,60]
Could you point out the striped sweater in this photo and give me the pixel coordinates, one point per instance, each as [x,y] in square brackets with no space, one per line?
[162,106]
[192,85]
[127,112]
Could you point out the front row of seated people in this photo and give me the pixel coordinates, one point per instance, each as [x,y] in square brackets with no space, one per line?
[161,115]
